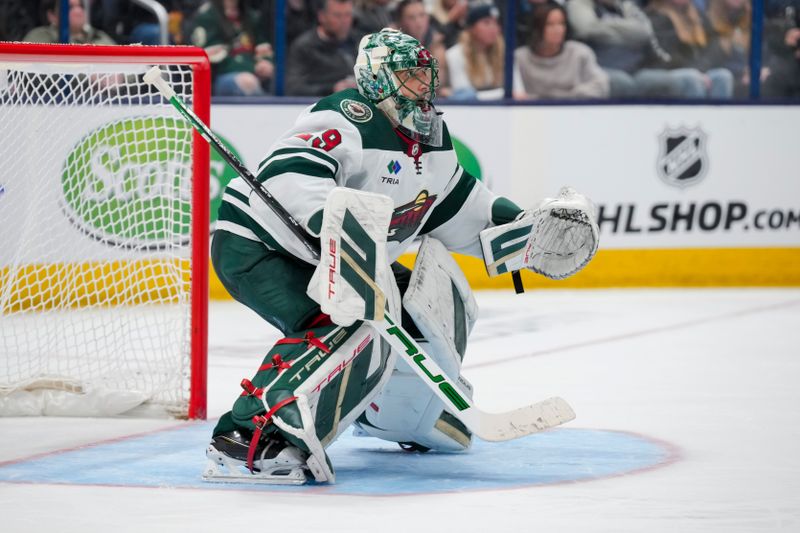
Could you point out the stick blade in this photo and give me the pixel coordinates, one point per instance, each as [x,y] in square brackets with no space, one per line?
[524,421]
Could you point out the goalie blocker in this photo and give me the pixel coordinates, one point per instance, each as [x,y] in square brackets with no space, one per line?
[353,281]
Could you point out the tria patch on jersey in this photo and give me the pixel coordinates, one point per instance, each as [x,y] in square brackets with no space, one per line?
[407,218]
[356,111]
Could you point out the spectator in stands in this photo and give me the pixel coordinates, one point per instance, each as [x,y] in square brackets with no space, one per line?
[320,61]
[233,37]
[371,16]
[300,15]
[451,19]
[551,66]
[475,64]
[524,13]
[17,18]
[683,32]
[80,32]
[730,39]
[129,23]
[782,37]
[622,38]
[412,18]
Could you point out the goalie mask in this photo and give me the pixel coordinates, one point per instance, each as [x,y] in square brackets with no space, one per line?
[399,75]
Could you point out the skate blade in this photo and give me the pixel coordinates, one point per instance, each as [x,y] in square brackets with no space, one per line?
[229,473]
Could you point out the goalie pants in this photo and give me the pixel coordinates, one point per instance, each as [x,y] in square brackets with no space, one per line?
[274,286]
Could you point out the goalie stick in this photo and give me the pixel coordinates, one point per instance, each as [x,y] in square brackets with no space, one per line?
[487,426]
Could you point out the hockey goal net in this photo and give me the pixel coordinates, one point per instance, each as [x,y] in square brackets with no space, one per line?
[103,232]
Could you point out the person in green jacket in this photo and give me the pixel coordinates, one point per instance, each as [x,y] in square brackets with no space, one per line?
[234,38]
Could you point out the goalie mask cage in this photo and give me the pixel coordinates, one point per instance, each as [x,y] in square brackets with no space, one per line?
[104,210]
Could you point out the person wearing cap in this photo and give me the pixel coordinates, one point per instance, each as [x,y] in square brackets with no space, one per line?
[476,63]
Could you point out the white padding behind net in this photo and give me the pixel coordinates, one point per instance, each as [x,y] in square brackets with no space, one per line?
[95,227]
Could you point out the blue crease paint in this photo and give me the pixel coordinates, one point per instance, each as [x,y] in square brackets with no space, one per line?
[364,466]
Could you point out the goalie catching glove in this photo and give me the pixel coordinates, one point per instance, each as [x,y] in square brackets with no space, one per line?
[556,240]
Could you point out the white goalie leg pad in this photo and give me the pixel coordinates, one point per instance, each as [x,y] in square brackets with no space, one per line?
[556,240]
[332,390]
[442,305]
[440,301]
[353,279]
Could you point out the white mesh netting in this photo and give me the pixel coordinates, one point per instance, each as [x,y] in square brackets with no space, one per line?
[95,218]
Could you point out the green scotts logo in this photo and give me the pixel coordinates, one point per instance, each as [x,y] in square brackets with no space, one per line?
[128,183]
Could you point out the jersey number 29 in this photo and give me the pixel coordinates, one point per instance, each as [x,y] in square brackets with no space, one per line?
[328,140]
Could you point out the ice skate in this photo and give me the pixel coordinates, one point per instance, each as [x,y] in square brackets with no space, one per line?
[275,461]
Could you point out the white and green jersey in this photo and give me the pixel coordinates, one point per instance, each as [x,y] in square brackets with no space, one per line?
[345,141]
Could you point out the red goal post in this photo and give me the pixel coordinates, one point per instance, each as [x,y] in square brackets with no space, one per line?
[104,279]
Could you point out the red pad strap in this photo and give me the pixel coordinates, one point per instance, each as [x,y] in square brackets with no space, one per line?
[250,389]
[315,342]
[277,362]
[309,338]
[251,450]
[262,421]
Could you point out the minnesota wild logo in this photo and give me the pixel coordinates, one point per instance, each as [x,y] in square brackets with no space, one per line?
[407,218]
[356,111]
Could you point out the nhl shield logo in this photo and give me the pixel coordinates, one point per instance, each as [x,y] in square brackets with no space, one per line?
[682,159]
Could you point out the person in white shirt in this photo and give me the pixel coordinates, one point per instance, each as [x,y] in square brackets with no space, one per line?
[550,66]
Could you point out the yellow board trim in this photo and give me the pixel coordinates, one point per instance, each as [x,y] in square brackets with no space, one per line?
[689,267]
[107,283]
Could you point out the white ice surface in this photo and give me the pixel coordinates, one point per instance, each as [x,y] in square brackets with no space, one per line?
[713,373]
